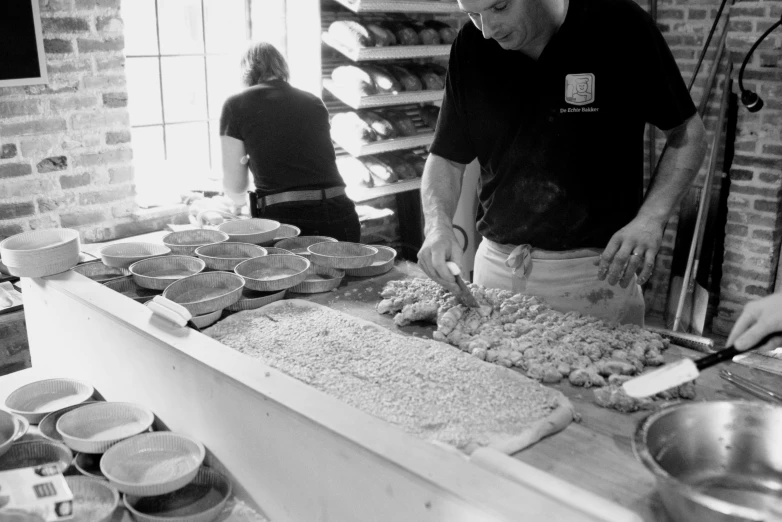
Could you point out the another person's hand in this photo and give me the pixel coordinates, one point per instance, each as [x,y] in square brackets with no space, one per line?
[758,319]
[440,246]
[630,251]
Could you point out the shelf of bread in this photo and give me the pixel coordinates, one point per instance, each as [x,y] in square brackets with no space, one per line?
[395,52]
[357,149]
[401,6]
[359,194]
[354,99]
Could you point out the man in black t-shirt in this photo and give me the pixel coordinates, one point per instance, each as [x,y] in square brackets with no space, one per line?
[551,97]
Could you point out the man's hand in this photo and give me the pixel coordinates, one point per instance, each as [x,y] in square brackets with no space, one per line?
[758,319]
[631,250]
[440,246]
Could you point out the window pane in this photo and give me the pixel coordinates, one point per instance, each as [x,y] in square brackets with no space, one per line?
[147,145]
[223,79]
[181,26]
[187,144]
[184,88]
[225,26]
[144,103]
[138,17]
[268,19]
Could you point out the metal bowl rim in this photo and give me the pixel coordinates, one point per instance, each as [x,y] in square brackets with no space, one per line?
[643,454]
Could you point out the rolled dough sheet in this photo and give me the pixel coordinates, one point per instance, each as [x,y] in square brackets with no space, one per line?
[427,388]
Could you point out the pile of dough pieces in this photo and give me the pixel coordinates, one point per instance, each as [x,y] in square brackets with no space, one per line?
[522,331]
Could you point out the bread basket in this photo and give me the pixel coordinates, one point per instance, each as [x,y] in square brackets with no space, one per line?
[122,255]
[159,272]
[381,263]
[319,279]
[225,256]
[208,292]
[184,242]
[254,230]
[342,255]
[273,272]
[40,253]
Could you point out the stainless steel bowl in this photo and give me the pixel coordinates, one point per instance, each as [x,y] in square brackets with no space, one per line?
[715,461]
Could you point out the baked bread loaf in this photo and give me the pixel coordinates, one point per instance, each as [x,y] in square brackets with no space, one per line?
[383,37]
[446,32]
[427,35]
[405,34]
[348,127]
[351,34]
[384,81]
[399,165]
[402,122]
[353,172]
[431,80]
[382,127]
[355,79]
[415,161]
[429,115]
[408,80]
[382,173]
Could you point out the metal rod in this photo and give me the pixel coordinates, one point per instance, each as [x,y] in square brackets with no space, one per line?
[751,387]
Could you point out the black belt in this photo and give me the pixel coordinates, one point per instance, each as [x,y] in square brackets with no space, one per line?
[300,195]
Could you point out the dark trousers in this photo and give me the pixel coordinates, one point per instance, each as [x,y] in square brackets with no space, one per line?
[335,217]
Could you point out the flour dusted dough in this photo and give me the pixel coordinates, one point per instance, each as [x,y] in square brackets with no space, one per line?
[425,387]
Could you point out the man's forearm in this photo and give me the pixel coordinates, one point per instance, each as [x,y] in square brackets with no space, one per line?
[441,186]
[678,169]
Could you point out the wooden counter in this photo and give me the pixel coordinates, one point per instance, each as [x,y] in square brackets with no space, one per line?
[595,453]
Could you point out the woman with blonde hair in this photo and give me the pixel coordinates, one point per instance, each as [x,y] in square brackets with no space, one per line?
[281,135]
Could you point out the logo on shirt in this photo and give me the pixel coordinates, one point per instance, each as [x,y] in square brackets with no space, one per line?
[580,88]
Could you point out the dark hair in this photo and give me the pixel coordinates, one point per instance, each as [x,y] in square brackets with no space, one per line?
[262,62]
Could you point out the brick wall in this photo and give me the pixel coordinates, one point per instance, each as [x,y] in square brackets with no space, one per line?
[754,229]
[66,155]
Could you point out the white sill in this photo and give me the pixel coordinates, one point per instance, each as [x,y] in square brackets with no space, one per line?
[159,212]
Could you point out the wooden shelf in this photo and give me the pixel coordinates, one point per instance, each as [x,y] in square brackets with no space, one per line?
[400,6]
[351,98]
[409,142]
[394,52]
[365,194]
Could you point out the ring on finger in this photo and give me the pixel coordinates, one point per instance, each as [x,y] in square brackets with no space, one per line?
[635,254]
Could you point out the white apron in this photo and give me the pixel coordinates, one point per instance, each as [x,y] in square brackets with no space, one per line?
[567,281]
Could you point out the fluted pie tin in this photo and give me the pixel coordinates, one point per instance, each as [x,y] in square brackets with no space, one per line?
[225,256]
[274,250]
[31,453]
[159,272]
[273,272]
[252,299]
[319,279]
[298,245]
[185,242]
[97,271]
[207,292]
[36,400]
[381,263]
[254,230]
[285,231]
[122,255]
[94,428]
[48,425]
[342,255]
[93,500]
[205,320]
[153,463]
[40,253]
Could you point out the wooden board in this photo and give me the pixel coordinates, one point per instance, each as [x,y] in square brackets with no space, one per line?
[295,336]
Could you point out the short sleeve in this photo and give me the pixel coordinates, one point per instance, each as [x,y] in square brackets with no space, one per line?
[668,103]
[228,124]
[452,138]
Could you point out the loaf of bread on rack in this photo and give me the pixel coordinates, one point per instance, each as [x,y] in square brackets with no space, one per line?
[355,79]
[402,122]
[429,115]
[349,127]
[382,127]
[408,80]
[354,173]
[382,172]
[383,37]
[402,168]
[385,82]
[427,35]
[351,34]
[446,32]
[414,160]
[431,80]
[405,34]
